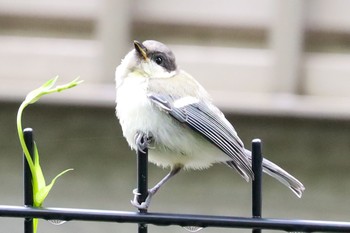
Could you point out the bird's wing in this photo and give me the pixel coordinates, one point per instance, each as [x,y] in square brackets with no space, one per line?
[208,121]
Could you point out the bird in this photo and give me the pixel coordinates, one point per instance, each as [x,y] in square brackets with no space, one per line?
[163,108]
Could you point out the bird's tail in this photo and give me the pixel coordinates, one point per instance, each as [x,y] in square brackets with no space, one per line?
[278,173]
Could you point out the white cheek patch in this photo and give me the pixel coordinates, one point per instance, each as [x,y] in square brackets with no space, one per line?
[156,71]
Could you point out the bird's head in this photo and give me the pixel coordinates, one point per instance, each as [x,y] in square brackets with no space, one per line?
[151,59]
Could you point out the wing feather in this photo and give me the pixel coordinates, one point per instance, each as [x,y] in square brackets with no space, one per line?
[210,123]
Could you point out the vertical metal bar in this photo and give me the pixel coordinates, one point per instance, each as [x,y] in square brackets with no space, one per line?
[27,176]
[256,184]
[142,183]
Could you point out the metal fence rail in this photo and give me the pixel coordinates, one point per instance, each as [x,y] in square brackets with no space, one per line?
[142,218]
[164,219]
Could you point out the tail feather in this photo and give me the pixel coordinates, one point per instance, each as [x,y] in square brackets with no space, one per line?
[284,177]
[275,171]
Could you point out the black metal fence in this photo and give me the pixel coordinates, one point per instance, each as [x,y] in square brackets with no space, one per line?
[256,223]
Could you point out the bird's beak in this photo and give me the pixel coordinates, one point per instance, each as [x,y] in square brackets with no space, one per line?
[141,49]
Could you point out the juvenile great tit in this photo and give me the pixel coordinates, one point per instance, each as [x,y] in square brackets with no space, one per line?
[165,109]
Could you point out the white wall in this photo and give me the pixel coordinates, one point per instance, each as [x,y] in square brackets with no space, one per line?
[282,57]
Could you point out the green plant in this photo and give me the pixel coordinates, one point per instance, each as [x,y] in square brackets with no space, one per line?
[40,189]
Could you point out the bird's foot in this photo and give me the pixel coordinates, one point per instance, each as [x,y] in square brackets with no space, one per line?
[145,204]
[143,140]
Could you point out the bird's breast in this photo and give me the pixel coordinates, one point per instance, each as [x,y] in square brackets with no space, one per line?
[133,107]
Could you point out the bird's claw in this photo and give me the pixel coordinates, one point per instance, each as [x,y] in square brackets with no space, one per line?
[143,205]
[143,140]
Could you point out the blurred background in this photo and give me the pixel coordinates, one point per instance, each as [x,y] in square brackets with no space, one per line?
[280,70]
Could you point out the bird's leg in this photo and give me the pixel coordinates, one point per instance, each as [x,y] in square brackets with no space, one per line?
[143,140]
[172,173]
[152,191]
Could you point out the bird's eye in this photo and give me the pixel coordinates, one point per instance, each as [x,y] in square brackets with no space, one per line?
[158,60]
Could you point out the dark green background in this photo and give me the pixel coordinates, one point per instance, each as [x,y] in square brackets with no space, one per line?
[89,140]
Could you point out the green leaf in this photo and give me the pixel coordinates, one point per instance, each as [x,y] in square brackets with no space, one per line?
[42,193]
[39,181]
[47,88]
[36,94]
